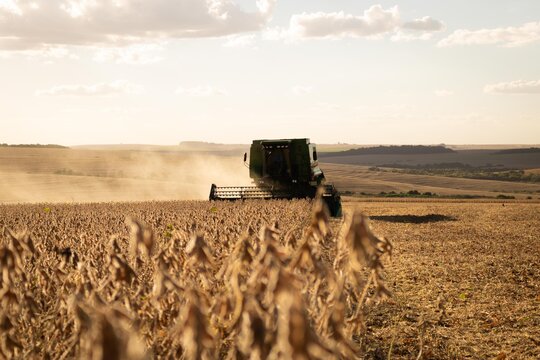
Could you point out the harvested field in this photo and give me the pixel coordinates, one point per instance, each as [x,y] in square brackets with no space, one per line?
[472,282]
[532,171]
[464,277]
[73,175]
[470,157]
[360,179]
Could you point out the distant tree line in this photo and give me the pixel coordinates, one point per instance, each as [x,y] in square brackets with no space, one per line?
[54,146]
[393,149]
[428,194]
[532,150]
[448,166]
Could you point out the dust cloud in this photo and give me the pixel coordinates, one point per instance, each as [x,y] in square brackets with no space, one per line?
[51,175]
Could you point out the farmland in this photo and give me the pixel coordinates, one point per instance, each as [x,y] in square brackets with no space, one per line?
[359,179]
[269,180]
[128,174]
[474,172]
[463,275]
[145,278]
[472,157]
[68,175]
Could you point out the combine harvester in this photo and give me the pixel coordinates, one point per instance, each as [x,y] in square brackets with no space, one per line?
[282,169]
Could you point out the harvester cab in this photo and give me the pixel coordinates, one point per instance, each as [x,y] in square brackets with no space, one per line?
[282,169]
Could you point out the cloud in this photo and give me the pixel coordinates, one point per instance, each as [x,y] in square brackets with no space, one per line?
[9,6]
[299,90]
[406,36]
[240,41]
[200,91]
[418,29]
[374,23]
[514,87]
[139,54]
[47,53]
[102,89]
[27,24]
[443,93]
[426,23]
[509,37]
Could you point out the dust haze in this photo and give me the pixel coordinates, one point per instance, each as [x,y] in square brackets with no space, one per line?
[68,175]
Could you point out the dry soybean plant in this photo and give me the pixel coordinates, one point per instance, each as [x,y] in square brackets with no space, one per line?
[191,280]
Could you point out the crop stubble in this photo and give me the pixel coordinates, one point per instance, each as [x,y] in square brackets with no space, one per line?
[472,281]
[227,279]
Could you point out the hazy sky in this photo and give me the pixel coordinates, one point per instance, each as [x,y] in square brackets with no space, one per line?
[164,71]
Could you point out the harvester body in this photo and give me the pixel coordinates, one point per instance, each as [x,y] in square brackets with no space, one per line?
[282,169]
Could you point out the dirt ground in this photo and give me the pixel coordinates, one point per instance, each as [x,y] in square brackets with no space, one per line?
[465,276]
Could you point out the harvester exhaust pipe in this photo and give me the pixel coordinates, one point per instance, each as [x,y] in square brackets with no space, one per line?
[246,164]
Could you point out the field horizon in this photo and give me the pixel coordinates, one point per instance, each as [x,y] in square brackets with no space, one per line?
[82,175]
[193,145]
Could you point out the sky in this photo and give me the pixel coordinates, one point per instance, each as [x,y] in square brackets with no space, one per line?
[364,72]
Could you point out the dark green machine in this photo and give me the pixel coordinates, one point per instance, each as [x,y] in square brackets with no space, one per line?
[282,169]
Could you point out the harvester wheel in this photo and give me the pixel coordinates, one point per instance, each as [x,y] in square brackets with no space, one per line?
[334,205]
